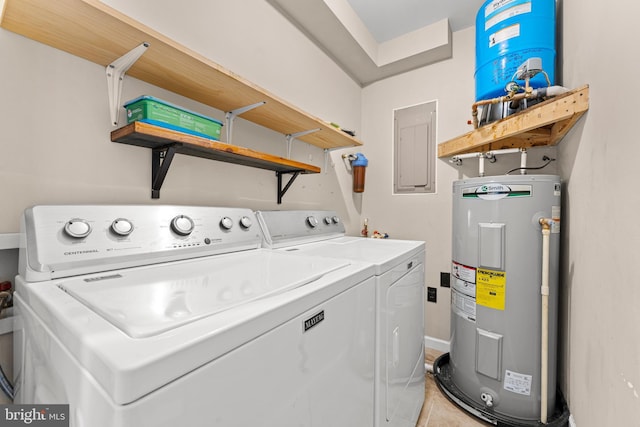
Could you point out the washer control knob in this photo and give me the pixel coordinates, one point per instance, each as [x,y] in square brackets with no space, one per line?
[226,223]
[121,227]
[77,228]
[182,225]
[335,220]
[245,222]
[312,221]
[327,220]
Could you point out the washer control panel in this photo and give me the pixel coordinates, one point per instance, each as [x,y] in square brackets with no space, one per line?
[297,226]
[63,240]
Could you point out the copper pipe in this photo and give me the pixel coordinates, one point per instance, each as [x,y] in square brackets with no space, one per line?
[512,96]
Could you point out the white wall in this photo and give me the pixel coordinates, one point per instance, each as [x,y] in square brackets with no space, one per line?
[55,142]
[599,346]
[55,139]
[426,216]
[600,304]
[56,149]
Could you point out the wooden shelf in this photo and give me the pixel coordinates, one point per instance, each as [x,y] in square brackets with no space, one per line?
[151,136]
[166,142]
[96,32]
[543,124]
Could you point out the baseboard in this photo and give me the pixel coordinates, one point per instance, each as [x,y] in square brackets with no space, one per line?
[436,344]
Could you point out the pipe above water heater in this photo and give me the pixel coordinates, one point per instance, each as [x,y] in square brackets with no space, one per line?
[529,93]
[492,157]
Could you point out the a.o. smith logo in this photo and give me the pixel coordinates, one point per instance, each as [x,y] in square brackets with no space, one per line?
[495,188]
[34,415]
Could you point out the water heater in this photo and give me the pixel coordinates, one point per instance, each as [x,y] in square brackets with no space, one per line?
[493,368]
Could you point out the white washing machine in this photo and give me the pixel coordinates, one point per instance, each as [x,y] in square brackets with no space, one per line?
[399,275]
[158,316]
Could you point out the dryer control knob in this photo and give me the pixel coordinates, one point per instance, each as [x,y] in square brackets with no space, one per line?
[121,227]
[245,222]
[327,220]
[182,225]
[312,221]
[77,228]
[335,220]
[226,223]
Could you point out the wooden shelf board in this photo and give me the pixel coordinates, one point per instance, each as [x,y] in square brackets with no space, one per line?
[151,136]
[543,124]
[96,32]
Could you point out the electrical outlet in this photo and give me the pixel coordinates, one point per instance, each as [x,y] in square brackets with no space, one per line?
[432,294]
[445,279]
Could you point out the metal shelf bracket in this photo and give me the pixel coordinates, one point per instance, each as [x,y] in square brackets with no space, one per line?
[115,76]
[281,190]
[327,152]
[160,161]
[292,136]
[231,116]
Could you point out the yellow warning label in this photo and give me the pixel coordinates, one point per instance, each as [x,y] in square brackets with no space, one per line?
[490,288]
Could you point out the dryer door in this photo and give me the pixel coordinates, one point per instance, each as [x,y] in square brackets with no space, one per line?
[403,326]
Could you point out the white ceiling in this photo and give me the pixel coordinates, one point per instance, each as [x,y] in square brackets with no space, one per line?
[375,39]
[388,19]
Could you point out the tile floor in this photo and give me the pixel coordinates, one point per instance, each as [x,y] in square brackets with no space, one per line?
[438,411]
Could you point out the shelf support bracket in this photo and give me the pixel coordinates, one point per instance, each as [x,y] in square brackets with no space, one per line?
[290,137]
[328,151]
[231,116]
[160,161]
[282,191]
[115,76]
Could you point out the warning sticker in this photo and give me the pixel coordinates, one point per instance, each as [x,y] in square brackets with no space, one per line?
[463,272]
[517,383]
[463,305]
[555,216]
[490,288]
[464,287]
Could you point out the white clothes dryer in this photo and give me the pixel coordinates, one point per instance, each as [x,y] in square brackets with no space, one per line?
[141,316]
[399,275]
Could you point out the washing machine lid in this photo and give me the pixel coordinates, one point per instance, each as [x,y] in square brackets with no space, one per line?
[127,368]
[385,254]
[148,301]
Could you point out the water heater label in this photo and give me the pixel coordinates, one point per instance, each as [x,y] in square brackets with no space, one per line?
[555,216]
[463,272]
[490,288]
[463,291]
[517,383]
[463,305]
[496,191]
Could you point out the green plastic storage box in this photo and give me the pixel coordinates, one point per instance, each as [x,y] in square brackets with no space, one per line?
[161,113]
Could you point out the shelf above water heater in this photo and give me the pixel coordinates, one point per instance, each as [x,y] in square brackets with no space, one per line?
[543,124]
